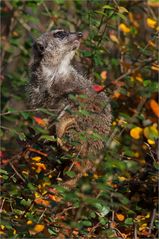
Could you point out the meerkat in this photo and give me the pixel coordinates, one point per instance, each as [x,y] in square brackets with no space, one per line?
[54,80]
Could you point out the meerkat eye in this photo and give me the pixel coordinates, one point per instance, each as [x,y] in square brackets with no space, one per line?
[60,34]
[38,47]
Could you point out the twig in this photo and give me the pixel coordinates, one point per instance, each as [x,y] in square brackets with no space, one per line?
[119,232]
[18,174]
[135,231]
[41,216]
[113,215]
[25,25]
[36,151]
[93,229]
[50,15]
[18,112]
[65,210]
[152,220]
[2,205]
[151,154]
[101,36]
[130,71]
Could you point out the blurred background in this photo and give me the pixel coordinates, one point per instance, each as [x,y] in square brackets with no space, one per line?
[119,51]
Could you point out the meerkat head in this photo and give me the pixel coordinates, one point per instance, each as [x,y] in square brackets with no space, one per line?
[53,47]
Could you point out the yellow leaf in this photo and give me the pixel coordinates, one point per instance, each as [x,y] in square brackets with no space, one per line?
[114,38]
[151,22]
[136,154]
[37,195]
[103,75]
[124,28]
[136,132]
[152,3]
[25,172]
[42,202]
[139,78]
[37,159]
[151,132]
[95,176]
[151,43]
[122,9]
[132,20]
[142,227]
[29,222]
[2,227]
[120,217]
[147,215]
[150,141]
[121,178]
[54,198]
[155,107]
[116,95]
[155,67]
[38,228]
[40,167]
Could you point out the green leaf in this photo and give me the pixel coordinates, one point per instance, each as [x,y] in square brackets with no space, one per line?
[48,138]
[86,223]
[156,165]
[25,115]
[71,174]
[1,132]
[103,221]
[129,221]
[52,232]
[3,171]
[122,9]
[131,165]
[122,16]
[87,53]
[31,187]
[107,7]
[25,202]
[22,136]
[103,210]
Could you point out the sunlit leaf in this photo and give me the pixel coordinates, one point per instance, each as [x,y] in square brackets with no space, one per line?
[124,28]
[37,229]
[155,107]
[107,7]
[151,22]
[122,9]
[120,216]
[151,132]
[103,75]
[136,132]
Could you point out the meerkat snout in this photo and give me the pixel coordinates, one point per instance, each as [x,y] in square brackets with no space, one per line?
[80,34]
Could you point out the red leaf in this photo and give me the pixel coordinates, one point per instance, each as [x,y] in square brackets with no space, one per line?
[98,88]
[39,121]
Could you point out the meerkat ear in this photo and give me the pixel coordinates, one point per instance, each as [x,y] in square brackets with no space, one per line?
[38,48]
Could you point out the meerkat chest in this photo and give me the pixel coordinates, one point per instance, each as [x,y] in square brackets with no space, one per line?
[55,76]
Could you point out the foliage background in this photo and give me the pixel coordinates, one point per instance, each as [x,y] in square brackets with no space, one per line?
[118,199]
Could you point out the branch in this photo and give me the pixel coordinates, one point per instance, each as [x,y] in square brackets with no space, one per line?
[24,24]
[18,174]
[152,220]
